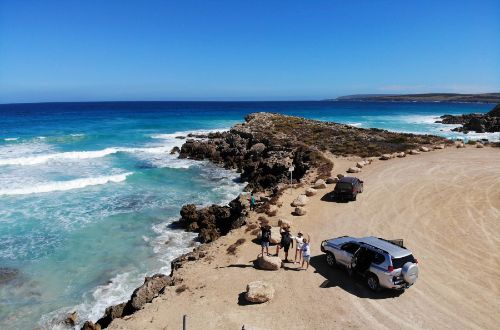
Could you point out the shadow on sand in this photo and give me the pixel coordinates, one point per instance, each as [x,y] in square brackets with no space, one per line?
[338,277]
[328,197]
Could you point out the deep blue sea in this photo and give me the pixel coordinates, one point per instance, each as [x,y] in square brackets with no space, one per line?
[88,190]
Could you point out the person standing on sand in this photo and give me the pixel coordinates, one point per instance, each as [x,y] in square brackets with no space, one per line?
[299,242]
[252,202]
[264,238]
[306,252]
[286,241]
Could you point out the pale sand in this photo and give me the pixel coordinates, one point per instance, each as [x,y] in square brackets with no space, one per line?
[444,204]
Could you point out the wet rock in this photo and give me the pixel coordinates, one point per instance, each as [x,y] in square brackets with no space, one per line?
[259,292]
[71,319]
[89,325]
[111,313]
[175,150]
[269,263]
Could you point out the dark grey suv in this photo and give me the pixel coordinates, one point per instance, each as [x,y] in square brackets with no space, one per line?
[347,188]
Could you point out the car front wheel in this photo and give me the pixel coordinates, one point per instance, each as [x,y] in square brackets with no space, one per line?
[373,283]
[330,259]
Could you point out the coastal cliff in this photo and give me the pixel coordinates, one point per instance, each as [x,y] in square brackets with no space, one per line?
[262,149]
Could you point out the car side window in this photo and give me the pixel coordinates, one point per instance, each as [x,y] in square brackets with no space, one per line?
[350,247]
[378,258]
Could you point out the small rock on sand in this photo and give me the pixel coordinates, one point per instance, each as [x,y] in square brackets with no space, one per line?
[311,192]
[353,170]
[385,157]
[424,149]
[400,154]
[320,184]
[259,292]
[439,146]
[340,175]
[361,164]
[479,145]
[283,223]
[301,200]
[460,145]
[332,180]
[299,211]
[414,152]
[269,263]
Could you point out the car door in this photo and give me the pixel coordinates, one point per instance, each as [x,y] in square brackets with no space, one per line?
[346,252]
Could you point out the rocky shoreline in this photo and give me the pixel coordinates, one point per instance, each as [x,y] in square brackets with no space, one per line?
[262,149]
[475,122]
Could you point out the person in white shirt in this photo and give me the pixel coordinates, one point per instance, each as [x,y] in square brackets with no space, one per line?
[306,252]
[299,240]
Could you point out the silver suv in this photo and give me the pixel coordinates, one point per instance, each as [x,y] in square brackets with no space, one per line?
[383,263]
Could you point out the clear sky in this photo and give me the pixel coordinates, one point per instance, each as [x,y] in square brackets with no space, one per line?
[244,50]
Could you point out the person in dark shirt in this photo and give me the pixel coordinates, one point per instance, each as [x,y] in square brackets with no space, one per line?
[286,241]
[265,237]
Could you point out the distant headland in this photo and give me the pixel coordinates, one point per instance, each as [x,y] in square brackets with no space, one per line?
[428,97]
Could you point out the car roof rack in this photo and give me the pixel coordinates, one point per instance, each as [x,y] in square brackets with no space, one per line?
[397,242]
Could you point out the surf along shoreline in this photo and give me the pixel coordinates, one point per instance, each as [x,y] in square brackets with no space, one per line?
[262,149]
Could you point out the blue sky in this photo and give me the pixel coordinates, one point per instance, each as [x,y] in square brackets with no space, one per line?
[244,50]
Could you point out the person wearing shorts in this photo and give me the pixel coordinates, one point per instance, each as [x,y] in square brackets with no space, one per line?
[299,242]
[306,252]
[264,238]
[286,241]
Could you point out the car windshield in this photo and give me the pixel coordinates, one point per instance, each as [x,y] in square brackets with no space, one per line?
[399,262]
[343,186]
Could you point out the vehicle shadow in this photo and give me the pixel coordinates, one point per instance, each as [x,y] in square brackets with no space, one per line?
[328,197]
[338,277]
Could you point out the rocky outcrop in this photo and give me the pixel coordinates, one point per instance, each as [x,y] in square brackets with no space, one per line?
[475,122]
[89,325]
[259,292]
[269,263]
[213,221]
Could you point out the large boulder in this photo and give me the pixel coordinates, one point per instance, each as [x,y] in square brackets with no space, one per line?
[111,313]
[71,319]
[320,184]
[353,170]
[301,200]
[275,235]
[311,192]
[259,292]
[299,211]
[269,263]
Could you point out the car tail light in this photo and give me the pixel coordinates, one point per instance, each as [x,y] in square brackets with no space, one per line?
[390,269]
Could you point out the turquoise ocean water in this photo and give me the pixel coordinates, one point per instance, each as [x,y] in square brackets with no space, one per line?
[88,190]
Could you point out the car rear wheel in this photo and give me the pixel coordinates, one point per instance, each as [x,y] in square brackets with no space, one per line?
[372,283]
[330,259]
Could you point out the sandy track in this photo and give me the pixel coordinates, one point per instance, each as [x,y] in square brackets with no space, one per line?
[444,204]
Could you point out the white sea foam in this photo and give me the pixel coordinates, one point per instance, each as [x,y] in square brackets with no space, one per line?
[11,139]
[355,124]
[65,185]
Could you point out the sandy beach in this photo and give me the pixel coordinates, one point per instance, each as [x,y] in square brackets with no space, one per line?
[445,204]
